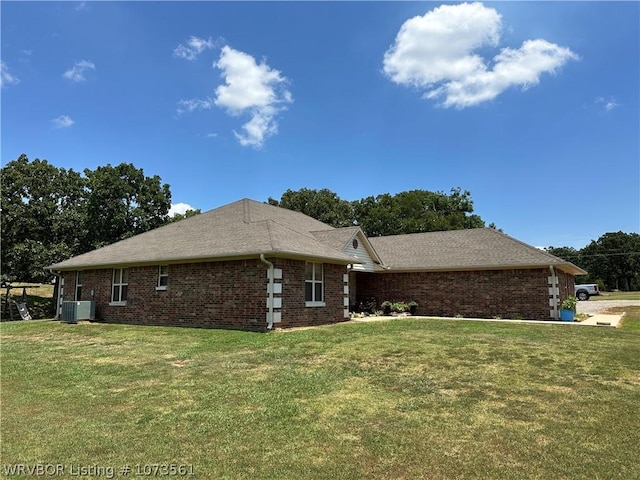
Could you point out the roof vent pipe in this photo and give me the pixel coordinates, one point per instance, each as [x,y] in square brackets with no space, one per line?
[270,298]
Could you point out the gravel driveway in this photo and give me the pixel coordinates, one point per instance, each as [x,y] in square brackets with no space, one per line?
[598,306]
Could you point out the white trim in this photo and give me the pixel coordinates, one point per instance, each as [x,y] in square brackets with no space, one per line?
[315,304]
[277,302]
[314,282]
[120,284]
[161,276]
[161,289]
[117,304]
[78,284]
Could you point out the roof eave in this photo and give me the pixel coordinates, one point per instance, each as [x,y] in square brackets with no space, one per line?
[566,267]
[341,260]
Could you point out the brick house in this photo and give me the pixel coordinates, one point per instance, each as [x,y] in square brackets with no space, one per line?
[255,266]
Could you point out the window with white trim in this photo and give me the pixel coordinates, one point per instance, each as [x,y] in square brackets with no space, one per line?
[78,285]
[313,284]
[163,277]
[120,285]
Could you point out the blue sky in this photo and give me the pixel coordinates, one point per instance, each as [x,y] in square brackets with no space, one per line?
[531,106]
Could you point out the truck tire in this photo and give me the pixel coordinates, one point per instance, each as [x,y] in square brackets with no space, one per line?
[582,295]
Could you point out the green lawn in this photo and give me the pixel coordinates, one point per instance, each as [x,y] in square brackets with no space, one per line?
[617,296]
[410,398]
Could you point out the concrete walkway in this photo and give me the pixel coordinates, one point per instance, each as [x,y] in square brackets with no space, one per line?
[600,320]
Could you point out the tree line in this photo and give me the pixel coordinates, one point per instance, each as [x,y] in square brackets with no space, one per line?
[412,211]
[49,214]
[613,260]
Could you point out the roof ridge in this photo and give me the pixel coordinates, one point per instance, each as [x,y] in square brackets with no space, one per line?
[433,232]
[336,229]
[270,233]
[530,247]
[246,211]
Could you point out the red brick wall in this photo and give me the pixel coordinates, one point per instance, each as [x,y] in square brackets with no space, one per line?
[230,294]
[483,294]
[566,284]
[214,294]
[294,311]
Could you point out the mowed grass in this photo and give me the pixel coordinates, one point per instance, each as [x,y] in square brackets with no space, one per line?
[617,296]
[410,398]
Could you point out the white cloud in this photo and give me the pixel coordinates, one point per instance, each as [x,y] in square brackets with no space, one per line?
[188,106]
[194,47]
[76,73]
[6,77]
[437,53]
[63,121]
[607,103]
[251,88]
[180,208]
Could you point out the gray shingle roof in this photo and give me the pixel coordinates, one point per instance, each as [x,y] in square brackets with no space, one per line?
[244,228]
[481,248]
[247,228]
[336,237]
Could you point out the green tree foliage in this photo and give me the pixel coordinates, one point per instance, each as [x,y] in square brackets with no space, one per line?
[569,254]
[123,202]
[406,212]
[181,216]
[50,214]
[614,259]
[378,215]
[323,205]
[416,211]
[42,216]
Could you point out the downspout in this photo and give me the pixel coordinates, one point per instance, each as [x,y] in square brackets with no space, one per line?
[270,298]
[555,289]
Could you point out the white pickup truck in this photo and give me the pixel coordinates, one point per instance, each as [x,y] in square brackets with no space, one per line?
[584,291]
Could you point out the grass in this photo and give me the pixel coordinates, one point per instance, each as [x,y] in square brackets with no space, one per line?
[617,296]
[409,398]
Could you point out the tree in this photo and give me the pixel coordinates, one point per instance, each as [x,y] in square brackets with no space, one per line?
[42,216]
[569,254]
[49,214]
[416,211]
[377,216]
[323,205]
[181,216]
[406,212]
[615,258]
[123,202]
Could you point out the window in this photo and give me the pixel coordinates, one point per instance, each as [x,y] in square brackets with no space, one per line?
[120,286]
[163,277]
[313,286]
[79,285]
